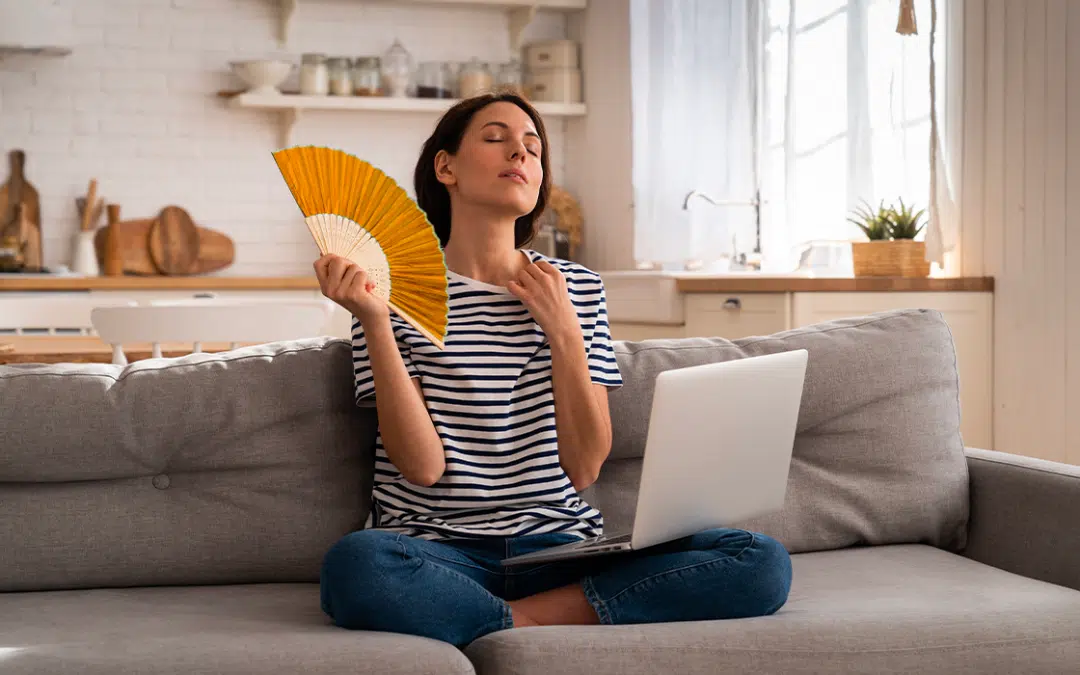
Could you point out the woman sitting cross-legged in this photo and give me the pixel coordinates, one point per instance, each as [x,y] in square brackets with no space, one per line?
[483,447]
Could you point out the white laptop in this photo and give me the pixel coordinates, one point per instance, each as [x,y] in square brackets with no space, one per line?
[718,452]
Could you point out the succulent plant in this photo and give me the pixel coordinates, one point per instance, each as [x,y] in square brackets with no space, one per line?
[876,225]
[903,223]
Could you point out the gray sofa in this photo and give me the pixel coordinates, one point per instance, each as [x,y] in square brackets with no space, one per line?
[170,517]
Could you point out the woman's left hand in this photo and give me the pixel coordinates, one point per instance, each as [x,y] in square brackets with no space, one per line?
[542,289]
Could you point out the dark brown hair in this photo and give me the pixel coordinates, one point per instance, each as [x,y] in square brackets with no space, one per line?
[433,197]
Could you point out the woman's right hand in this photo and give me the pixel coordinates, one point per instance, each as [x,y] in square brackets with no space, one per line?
[344,282]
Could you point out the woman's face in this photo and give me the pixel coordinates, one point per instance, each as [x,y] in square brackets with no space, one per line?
[498,164]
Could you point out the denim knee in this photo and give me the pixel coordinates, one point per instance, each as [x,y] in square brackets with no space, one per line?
[349,581]
[771,577]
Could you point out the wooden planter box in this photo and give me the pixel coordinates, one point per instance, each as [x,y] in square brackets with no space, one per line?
[894,258]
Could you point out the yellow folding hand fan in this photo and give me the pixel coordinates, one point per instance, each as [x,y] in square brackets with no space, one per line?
[354,210]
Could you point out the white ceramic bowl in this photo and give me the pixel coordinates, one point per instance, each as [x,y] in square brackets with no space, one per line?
[262,76]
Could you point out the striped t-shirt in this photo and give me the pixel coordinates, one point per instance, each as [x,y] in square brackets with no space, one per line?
[490,398]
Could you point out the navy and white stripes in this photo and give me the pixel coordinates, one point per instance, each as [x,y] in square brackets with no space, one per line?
[489,395]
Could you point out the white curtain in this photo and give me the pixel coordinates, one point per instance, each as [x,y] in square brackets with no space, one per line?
[816,106]
[847,108]
[945,135]
[694,80]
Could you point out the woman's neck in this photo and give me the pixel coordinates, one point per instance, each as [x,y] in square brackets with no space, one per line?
[481,246]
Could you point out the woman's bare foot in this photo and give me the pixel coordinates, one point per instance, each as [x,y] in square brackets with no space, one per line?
[520,619]
[557,607]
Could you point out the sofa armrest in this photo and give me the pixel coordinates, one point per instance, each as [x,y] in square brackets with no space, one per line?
[1025,516]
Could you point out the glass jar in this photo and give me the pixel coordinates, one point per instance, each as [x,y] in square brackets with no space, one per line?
[366,78]
[475,78]
[433,80]
[340,77]
[453,71]
[511,76]
[314,75]
[397,70]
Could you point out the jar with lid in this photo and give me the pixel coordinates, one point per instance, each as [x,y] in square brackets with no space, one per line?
[433,80]
[510,76]
[475,78]
[367,80]
[340,76]
[397,70]
[314,75]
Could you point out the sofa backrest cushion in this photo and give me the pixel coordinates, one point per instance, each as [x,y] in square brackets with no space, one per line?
[878,456]
[212,468]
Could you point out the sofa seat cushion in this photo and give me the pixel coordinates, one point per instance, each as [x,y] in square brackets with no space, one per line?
[256,628]
[880,610]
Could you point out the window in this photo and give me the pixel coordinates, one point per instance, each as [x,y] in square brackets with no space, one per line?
[824,106]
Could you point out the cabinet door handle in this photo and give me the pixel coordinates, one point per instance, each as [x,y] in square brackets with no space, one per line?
[733,303]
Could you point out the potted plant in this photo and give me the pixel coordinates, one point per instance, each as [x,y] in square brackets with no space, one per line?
[890,249]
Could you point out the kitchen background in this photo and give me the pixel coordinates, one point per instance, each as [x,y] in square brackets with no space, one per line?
[136,106]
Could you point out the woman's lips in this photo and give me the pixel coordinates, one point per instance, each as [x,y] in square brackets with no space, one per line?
[516,176]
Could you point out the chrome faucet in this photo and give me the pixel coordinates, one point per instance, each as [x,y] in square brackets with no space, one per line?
[690,195]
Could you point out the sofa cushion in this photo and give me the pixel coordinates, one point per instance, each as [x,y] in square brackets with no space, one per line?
[212,468]
[875,610]
[878,455]
[261,628]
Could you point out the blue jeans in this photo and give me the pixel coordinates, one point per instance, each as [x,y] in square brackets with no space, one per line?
[456,590]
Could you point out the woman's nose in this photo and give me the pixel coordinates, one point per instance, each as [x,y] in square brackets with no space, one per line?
[518,152]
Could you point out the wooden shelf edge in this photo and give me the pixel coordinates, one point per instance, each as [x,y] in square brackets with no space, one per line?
[163,283]
[766,284]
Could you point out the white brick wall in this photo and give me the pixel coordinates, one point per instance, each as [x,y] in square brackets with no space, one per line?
[135,106]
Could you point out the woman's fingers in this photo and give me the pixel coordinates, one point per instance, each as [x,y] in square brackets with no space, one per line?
[546,267]
[533,270]
[348,279]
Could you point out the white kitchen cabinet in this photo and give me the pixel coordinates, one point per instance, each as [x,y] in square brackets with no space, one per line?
[630,331]
[736,315]
[726,315]
[970,318]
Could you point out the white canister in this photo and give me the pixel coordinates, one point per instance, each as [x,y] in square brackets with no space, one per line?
[551,54]
[84,256]
[554,85]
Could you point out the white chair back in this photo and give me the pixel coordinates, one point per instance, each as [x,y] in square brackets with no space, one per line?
[198,321]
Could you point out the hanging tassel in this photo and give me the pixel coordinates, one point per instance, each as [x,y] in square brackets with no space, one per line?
[905,25]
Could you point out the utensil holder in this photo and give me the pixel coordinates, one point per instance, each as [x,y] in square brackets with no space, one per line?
[84,257]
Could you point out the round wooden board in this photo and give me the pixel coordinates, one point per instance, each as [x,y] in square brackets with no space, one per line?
[173,241]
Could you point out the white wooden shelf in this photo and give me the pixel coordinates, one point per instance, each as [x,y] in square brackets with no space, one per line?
[291,106]
[521,12]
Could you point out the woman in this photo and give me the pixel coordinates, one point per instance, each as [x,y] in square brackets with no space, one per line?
[482,448]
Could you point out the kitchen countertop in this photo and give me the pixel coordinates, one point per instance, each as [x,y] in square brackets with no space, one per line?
[685,282]
[41,282]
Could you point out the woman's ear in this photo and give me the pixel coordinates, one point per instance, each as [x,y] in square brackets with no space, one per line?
[444,172]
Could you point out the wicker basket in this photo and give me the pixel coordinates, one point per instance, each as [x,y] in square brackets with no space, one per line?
[893,258]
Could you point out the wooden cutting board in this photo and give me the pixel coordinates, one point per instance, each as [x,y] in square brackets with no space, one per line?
[216,250]
[174,241]
[18,190]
